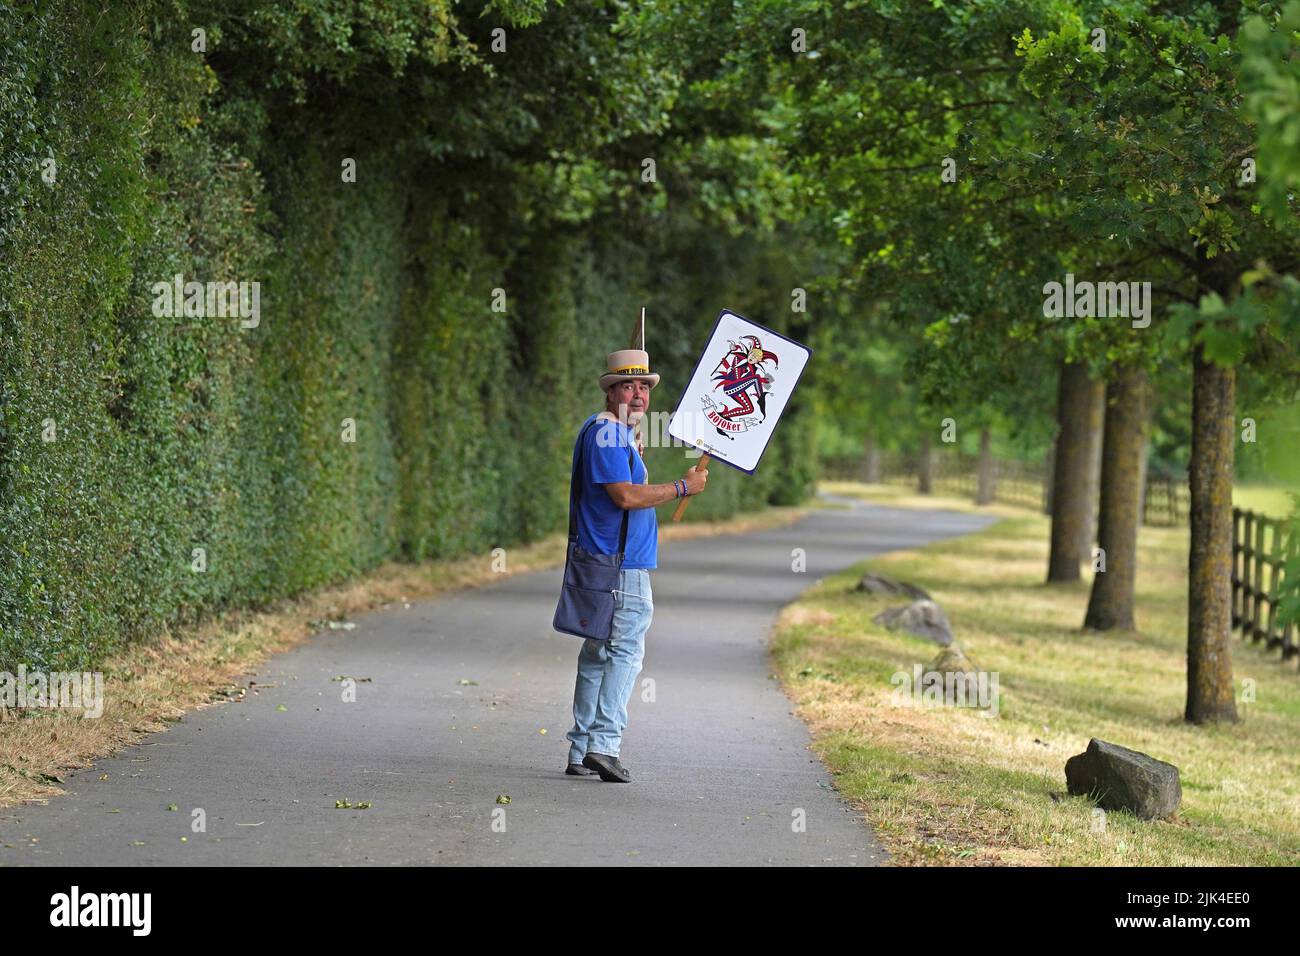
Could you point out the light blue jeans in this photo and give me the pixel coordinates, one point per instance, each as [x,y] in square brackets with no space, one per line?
[607,670]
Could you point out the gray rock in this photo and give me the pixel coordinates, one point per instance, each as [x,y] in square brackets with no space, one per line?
[1122,779]
[922,618]
[953,660]
[964,683]
[879,584]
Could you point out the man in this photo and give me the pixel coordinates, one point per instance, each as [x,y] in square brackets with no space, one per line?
[614,481]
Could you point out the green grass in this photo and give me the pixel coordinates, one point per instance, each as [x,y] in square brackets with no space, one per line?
[1265,499]
[946,785]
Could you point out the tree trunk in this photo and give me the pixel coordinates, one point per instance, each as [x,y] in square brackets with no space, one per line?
[870,459]
[1142,483]
[1096,422]
[925,467]
[1209,565]
[985,490]
[1070,474]
[1049,477]
[1111,603]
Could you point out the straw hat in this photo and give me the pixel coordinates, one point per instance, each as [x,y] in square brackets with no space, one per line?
[629,363]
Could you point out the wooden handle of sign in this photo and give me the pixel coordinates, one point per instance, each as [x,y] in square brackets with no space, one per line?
[681,505]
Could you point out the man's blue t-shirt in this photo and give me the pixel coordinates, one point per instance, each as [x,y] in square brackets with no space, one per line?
[606,457]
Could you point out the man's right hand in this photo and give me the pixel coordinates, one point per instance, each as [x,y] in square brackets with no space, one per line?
[696,478]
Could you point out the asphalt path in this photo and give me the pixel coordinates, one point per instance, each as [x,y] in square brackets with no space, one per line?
[722,773]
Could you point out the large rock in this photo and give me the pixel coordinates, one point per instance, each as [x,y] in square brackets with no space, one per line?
[879,584]
[1122,779]
[922,618]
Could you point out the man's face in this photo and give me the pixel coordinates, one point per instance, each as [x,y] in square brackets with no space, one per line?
[630,399]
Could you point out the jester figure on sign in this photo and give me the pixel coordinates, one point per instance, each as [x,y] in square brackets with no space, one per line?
[743,379]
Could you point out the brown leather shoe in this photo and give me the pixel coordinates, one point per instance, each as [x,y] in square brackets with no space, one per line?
[610,770]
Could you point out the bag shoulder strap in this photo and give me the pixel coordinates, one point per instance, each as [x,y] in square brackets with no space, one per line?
[576,482]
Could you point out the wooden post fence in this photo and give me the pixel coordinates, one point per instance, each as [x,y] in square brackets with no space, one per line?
[1260,546]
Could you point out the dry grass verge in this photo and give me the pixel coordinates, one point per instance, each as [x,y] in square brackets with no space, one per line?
[946,786]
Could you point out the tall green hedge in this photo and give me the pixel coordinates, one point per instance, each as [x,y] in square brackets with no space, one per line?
[176,434]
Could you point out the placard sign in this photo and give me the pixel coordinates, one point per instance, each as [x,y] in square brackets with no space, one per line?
[738,390]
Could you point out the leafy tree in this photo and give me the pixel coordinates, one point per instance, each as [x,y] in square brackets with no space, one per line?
[1147,138]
